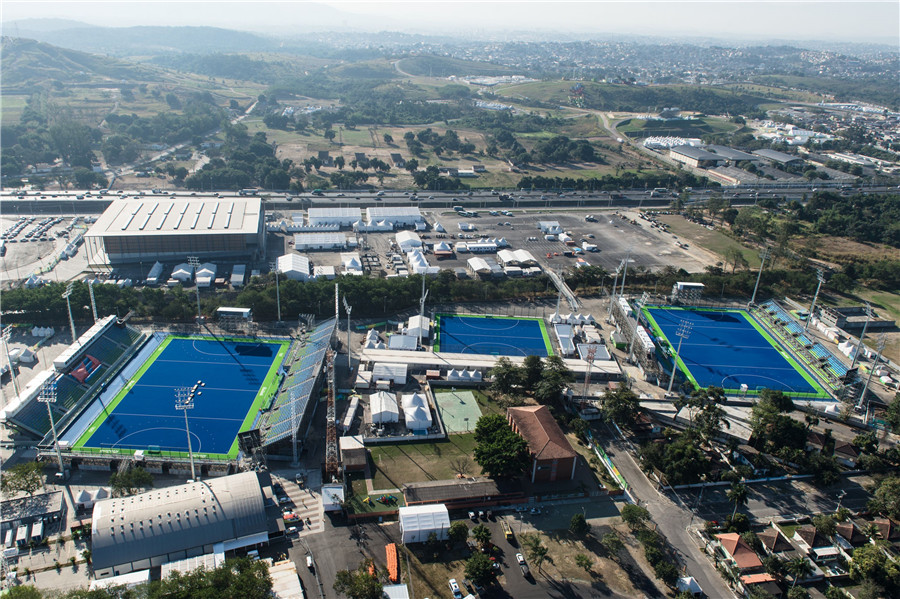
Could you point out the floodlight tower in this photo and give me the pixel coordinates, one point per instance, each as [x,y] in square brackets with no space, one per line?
[348,308]
[184,401]
[66,294]
[422,308]
[7,332]
[764,256]
[274,266]
[820,274]
[862,396]
[625,269]
[615,283]
[865,327]
[683,332]
[194,262]
[93,301]
[294,426]
[48,396]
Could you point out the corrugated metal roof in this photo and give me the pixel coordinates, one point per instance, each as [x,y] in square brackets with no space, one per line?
[149,216]
[172,519]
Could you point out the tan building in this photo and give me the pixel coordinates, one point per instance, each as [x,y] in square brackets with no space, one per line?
[552,455]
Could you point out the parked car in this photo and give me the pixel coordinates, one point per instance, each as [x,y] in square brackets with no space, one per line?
[454,588]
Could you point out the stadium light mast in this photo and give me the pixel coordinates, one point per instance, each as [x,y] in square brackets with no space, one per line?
[194,262]
[625,269]
[184,401]
[274,266]
[862,397]
[820,274]
[764,256]
[294,426]
[7,332]
[93,301]
[683,332]
[422,308]
[348,308]
[67,294]
[865,327]
[48,396]
[615,283]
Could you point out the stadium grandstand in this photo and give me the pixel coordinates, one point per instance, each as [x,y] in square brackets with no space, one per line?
[290,409]
[76,375]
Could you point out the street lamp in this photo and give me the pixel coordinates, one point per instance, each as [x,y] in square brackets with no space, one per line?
[48,396]
[7,332]
[194,262]
[821,276]
[274,266]
[184,401]
[66,294]
[684,331]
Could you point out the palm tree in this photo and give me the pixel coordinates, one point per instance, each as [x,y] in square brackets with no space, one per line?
[737,494]
[799,567]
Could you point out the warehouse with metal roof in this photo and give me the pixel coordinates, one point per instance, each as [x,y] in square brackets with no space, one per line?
[148,229]
[175,523]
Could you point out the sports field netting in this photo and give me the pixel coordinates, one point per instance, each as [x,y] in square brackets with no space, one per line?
[491,335]
[728,349]
[239,377]
[458,409]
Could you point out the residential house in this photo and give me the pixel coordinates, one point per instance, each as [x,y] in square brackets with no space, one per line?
[887,529]
[815,545]
[738,554]
[848,537]
[774,542]
[816,441]
[397,160]
[846,454]
[325,158]
[761,582]
[552,455]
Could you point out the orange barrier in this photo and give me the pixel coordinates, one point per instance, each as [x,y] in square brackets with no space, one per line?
[392,563]
[372,570]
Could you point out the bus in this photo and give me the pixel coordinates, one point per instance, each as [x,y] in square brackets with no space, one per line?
[507,531]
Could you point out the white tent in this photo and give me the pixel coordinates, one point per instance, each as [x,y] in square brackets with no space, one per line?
[407,241]
[374,345]
[206,274]
[183,272]
[293,266]
[416,412]
[332,497]
[155,272]
[372,335]
[418,522]
[688,584]
[383,406]
[418,324]
[403,342]
[439,228]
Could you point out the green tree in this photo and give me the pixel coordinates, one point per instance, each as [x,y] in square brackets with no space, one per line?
[26,477]
[388,138]
[241,578]
[825,524]
[584,562]
[666,571]
[886,498]
[737,495]
[482,534]
[797,593]
[532,368]
[580,427]
[458,532]
[635,516]
[612,544]
[735,256]
[505,375]
[479,568]
[339,162]
[799,568]
[128,482]
[621,406]
[499,451]
[330,134]
[358,584]
[578,526]
[23,592]
[892,414]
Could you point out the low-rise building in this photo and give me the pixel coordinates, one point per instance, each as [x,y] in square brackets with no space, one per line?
[552,455]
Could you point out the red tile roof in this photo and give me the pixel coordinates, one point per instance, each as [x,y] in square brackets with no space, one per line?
[757,578]
[537,426]
[743,555]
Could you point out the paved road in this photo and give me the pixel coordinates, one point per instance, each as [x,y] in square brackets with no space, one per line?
[672,519]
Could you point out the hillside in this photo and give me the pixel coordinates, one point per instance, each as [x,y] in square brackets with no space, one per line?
[28,62]
[439,66]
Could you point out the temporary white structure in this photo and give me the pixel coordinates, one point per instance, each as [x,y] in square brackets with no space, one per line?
[418,522]
[383,406]
[418,325]
[403,342]
[416,412]
[183,272]
[206,274]
[293,266]
[407,241]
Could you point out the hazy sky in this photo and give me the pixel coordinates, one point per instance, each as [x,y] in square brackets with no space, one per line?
[848,20]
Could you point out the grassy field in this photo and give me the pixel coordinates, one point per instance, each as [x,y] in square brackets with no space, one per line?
[682,128]
[11,107]
[713,241]
[394,465]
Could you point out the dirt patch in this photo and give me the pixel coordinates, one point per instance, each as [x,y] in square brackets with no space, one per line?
[842,249]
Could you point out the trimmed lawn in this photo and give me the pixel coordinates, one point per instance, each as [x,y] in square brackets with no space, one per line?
[394,465]
[714,241]
[357,501]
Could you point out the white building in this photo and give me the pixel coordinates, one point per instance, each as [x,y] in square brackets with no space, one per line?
[550,227]
[418,522]
[343,217]
[351,263]
[319,241]
[400,216]
[392,373]
[416,413]
[294,267]
[408,241]
[418,326]
[403,342]
[205,275]
[383,407]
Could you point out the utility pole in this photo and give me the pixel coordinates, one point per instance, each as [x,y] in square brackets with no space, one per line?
[764,256]
[820,274]
[184,401]
[7,332]
[348,308]
[194,262]
[859,344]
[684,331]
[67,294]
[862,397]
[274,266]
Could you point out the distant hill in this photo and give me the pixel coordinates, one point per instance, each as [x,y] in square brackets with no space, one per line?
[142,41]
[27,62]
[439,66]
